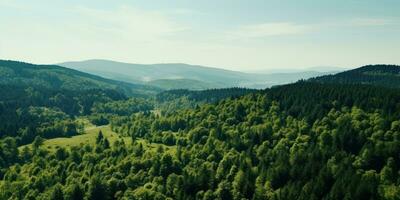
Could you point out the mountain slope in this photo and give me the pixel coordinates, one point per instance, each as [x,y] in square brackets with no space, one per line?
[380,75]
[182,84]
[57,77]
[32,92]
[184,76]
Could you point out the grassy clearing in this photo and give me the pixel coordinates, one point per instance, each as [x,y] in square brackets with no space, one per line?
[88,138]
[90,135]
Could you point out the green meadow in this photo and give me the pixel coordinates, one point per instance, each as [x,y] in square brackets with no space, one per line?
[89,137]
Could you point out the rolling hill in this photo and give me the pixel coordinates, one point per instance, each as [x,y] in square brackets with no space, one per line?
[57,77]
[47,94]
[191,84]
[379,75]
[184,76]
[139,73]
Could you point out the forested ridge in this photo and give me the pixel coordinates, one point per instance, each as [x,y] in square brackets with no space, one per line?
[57,77]
[43,100]
[381,75]
[307,140]
[312,100]
[173,100]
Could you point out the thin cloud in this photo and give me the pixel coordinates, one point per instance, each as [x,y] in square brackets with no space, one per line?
[267,30]
[82,32]
[371,22]
[12,4]
[131,22]
[264,30]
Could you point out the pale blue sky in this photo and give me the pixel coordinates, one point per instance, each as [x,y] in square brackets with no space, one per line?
[232,34]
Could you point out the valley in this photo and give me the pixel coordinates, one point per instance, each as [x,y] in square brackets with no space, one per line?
[323,137]
[200,100]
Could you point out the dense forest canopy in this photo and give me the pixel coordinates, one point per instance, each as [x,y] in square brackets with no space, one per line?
[308,140]
[312,100]
[381,75]
[173,100]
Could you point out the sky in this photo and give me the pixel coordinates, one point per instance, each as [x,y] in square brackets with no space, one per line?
[239,35]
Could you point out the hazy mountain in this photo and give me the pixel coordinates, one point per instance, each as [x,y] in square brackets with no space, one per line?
[380,75]
[184,76]
[182,84]
[139,73]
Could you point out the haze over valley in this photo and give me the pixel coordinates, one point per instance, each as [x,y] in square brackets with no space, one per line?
[184,76]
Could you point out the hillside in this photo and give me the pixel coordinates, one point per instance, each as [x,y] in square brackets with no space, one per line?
[58,78]
[184,76]
[44,99]
[380,75]
[173,100]
[313,100]
[191,84]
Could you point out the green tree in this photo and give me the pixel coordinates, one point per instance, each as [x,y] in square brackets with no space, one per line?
[57,193]
[97,190]
[74,192]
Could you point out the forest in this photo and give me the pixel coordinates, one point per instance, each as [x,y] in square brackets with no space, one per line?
[382,75]
[313,139]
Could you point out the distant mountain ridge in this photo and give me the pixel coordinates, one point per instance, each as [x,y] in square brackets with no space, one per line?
[191,84]
[144,73]
[184,76]
[379,75]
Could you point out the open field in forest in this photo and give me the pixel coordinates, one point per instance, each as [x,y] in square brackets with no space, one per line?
[90,135]
[88,138]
